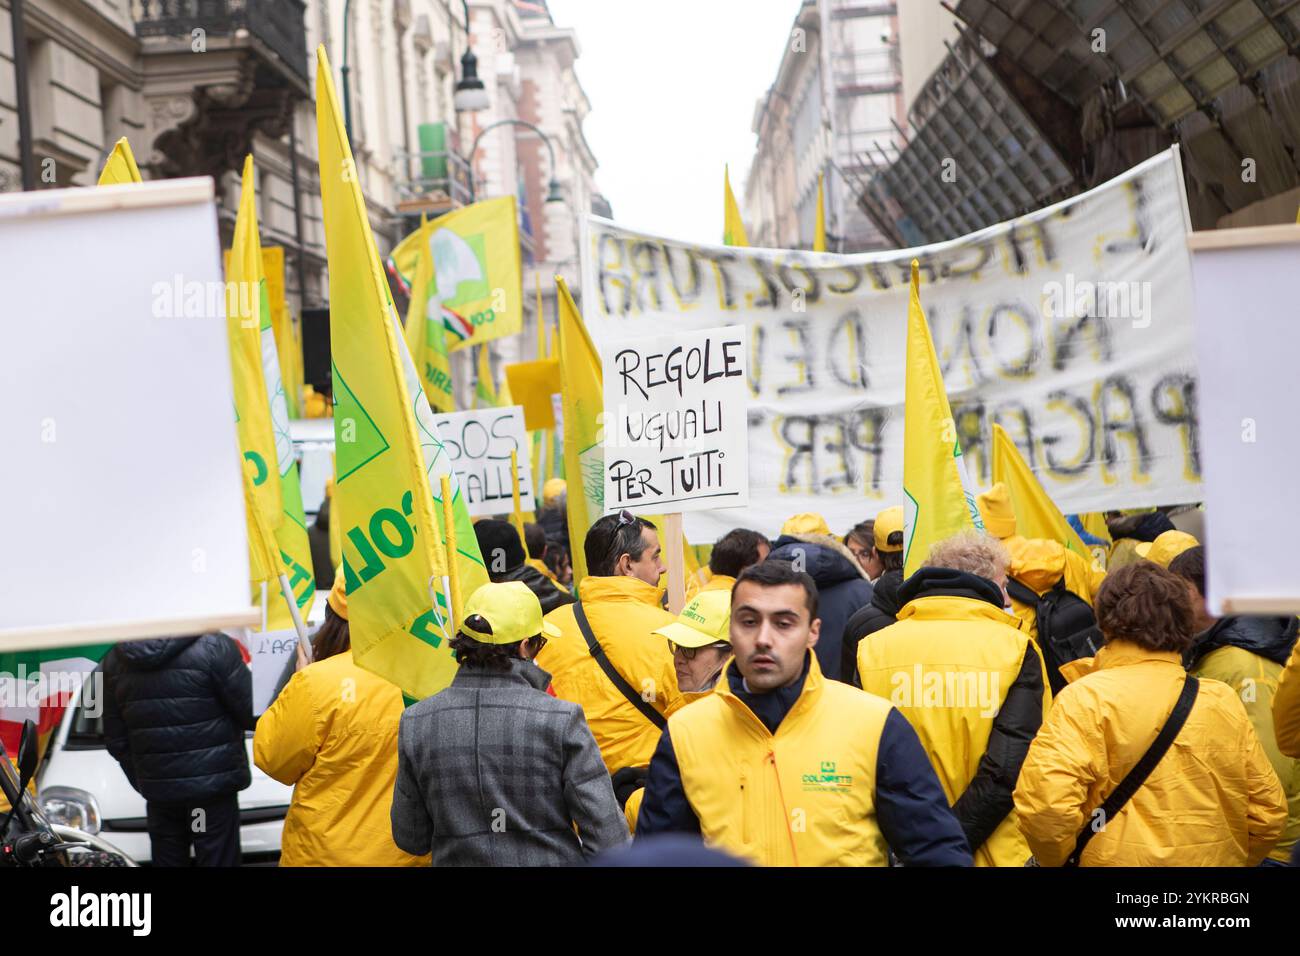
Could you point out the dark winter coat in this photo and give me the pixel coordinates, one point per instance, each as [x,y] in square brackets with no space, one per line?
[547,593]
[175,712]
[880,613]
[842,588]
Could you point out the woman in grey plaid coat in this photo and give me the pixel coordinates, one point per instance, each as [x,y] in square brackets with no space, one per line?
[493,770]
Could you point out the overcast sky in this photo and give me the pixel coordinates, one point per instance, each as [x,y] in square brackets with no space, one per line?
[672,86]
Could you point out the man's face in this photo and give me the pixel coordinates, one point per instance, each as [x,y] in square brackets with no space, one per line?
[693,674]
[649,567]
[771,632]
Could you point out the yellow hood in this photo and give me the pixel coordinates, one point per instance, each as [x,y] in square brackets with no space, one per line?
[1037,563]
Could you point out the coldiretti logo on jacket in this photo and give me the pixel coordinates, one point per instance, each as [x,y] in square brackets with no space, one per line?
[804,796]
[827,779]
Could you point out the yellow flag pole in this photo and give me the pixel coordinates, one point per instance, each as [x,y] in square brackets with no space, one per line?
[541,318]
[517,516]
[452,578]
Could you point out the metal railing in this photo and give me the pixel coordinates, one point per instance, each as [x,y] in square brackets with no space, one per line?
[277,23]
[433,175]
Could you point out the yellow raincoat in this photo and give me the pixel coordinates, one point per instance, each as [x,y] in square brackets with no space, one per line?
[332,736]
[1213,800]
[623,611]
[1286,707]
[1254,678]
[1038,563]
[948,664]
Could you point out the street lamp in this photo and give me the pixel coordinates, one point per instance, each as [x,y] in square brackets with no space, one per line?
[347,87]
[553,193]
[470,95]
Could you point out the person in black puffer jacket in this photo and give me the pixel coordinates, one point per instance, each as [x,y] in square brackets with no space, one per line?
[175,712]
[879,614]
[504,555]
[842,588]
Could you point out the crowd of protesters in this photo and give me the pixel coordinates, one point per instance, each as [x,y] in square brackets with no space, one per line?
[1012,702]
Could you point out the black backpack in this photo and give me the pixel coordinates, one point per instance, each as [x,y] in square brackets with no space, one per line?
[1067,627]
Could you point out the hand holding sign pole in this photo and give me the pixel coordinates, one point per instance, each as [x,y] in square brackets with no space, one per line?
[673,547]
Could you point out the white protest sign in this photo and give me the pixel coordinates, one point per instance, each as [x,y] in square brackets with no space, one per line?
[1248,340]
[1071,327]
[118,433]
[478,444]
[675,432]
[269,651]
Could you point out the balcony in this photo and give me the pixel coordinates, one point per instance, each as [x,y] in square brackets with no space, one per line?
[432,181]
[276,24]
[204,110]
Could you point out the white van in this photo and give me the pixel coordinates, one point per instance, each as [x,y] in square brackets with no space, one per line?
[80,785]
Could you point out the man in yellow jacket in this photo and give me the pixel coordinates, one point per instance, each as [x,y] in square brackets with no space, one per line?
[331,734]
[783,767]
[1247,653]
[1212,800]
[620,600]
[969,682]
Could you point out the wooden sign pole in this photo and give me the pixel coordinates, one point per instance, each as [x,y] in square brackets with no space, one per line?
[672,548]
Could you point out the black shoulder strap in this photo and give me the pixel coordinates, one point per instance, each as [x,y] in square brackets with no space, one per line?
[1022,593]
[1133,781]
[624,688]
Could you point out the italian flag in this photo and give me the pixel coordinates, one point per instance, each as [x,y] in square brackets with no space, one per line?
[37,685]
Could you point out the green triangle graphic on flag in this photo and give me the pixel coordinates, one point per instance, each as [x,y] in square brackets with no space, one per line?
[367,442]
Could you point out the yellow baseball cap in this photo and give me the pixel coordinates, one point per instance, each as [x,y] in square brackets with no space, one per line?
[1166,547]
[997,511]
[706,620]
[807,522]
[887,522]
[552,490]
[511,610]
[338,597]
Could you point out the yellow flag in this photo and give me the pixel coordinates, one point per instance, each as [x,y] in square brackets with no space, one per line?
[426,338]
[584,401]
[1036,514]
[937,497]
[733,228]
[386,442]
[485,393]
[281,325]
[120,166]
[264,564]
[335,529]
[819,231]
[478,272]
[243,325]
[263,413]
[1094,522]
[541,318]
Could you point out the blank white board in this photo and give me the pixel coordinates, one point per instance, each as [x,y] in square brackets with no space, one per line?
[121,504]
[1248,345]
